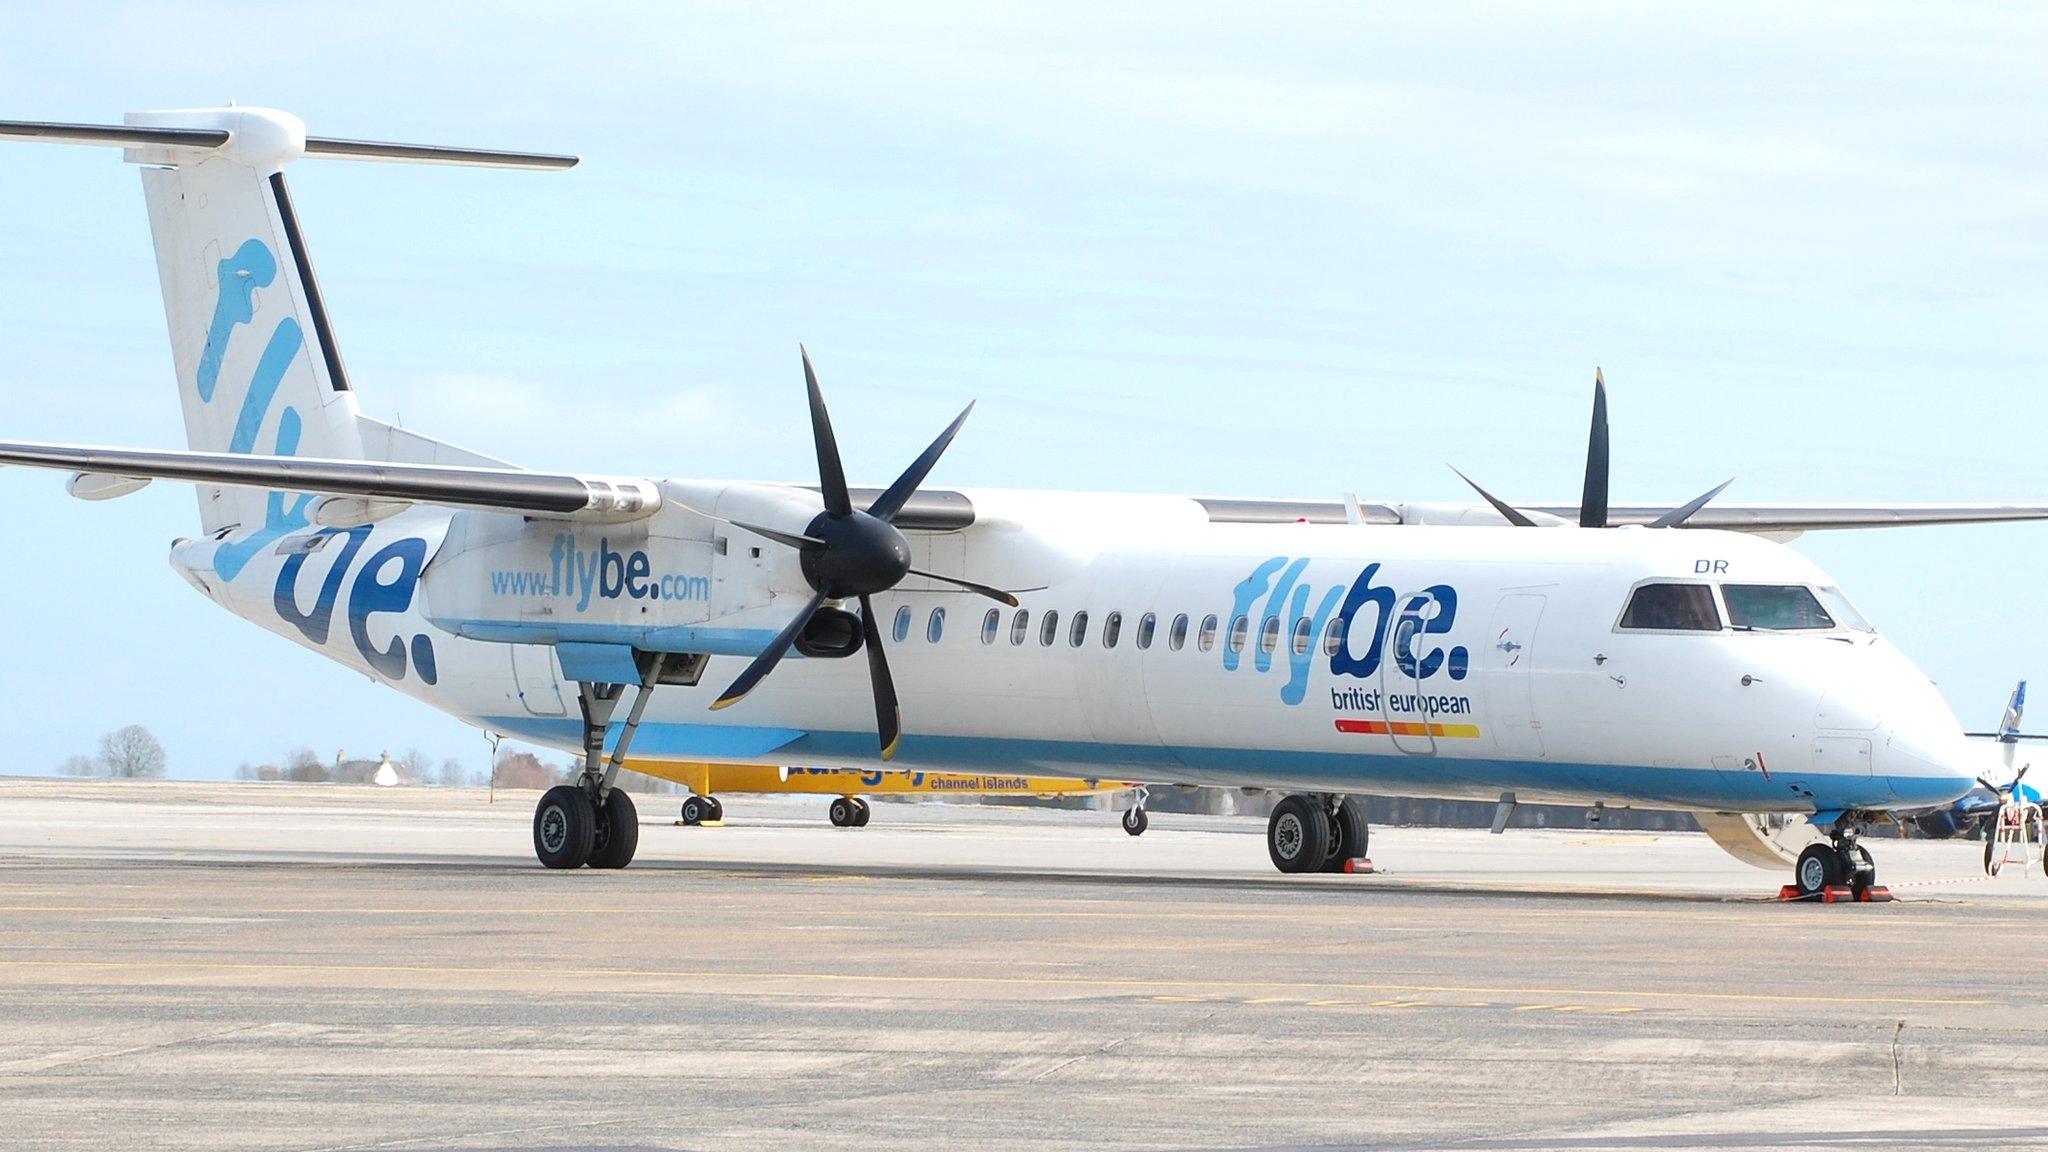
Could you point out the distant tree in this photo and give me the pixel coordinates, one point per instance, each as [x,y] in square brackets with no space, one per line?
[81,766]
[305,765]
[524,770]
[414,767]
[453,774]
[131,753]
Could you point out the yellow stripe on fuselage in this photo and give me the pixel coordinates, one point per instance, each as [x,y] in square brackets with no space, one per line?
[706,779]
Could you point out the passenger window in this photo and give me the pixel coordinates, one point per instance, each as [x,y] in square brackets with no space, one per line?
[1301,631]
[1672,608]
[901,628]
[1112,629]
[1021,626]
[1333,637]
[1844,612]
[936,626]
[1048,627]
[991,624]
[1239,629]
[1177,634]
[1774,608]
[1206,638]
[1147,624]
[1269,635]
[1079,631]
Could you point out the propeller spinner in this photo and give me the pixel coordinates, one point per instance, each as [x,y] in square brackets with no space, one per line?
[850,553]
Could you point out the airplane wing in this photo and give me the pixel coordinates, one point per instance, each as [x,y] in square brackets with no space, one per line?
[554,494]
[1788,519]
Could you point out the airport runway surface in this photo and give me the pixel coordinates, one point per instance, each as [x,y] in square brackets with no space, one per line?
[301,967]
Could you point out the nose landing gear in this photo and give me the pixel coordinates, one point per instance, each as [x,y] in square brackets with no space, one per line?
[849,812]
[702,810]
[1840,863]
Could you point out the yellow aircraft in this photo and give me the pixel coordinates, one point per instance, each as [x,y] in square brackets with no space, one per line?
[845,785]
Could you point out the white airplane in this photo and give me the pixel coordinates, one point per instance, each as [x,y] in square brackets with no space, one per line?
[1323,649]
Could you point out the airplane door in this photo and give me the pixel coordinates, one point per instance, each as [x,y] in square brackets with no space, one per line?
[533,677]
[1409,727]
[1505,676]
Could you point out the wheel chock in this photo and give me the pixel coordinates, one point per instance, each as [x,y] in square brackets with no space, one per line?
[1875,894]
[1359,866]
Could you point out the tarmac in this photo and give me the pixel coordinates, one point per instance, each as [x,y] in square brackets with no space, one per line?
[250,966]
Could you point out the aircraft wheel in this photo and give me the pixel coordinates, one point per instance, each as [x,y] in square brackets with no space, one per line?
[1819,867]
[1991,863]
[564,827]
[714,810]
[1862,869]
[1298,834]
[861,812]
[696,810]
[1135,820]
[842,812]
[618,834]
[1349,835]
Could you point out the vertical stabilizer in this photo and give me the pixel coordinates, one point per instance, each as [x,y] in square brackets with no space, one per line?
[258,369]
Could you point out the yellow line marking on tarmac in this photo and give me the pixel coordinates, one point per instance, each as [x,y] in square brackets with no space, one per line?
[906,980]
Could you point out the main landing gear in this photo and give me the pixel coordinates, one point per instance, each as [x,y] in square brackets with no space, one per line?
[702,810]
[1316,833]
[1840,863]
[848,812]
[590,821]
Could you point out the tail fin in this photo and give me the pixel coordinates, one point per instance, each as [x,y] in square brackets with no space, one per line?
[258,367]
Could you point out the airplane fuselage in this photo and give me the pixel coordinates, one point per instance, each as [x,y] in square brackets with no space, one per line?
[1153,645]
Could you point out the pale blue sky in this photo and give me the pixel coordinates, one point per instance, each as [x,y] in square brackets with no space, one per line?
[1270,250]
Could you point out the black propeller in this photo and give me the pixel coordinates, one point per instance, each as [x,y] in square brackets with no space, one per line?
[1593,497]
[848,553]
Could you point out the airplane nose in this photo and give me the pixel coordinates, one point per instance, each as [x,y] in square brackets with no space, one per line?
[1928,766]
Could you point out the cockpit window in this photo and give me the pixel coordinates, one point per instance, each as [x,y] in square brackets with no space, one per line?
[1774,607]
[1844,612]
[1672,608]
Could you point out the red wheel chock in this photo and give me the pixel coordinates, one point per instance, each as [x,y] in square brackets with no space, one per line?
[1359,866]
[1875,894]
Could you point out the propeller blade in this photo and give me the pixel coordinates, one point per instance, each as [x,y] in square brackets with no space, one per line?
[831,475]
[996,594]
[1514,516]
[1683,512]
[1988,785]
[888,717]
[790,538]
[2021,774]
[1593,501]
[769,657]
[890,502]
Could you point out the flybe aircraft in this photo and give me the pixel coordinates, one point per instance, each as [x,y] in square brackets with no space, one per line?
[1673,658]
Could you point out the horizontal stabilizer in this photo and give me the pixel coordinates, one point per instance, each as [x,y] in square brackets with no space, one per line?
[209,139]
[549,494]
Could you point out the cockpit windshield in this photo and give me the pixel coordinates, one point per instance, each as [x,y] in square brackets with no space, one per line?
[1672,608]
[1775,608]
[1844,612]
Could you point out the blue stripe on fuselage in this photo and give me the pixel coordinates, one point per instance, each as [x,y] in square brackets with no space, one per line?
[1390,774]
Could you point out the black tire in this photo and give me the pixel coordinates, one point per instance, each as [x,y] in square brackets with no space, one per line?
[695,810]
[1349,835]
[1298,834]
[1135,820]
[715,810]
[618,834]
[861,812]
[841,812]
[564,827]
[1819,866]
[1863,871]
[1991,866]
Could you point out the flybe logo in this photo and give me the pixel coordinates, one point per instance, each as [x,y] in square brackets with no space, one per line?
[576,574]
[1366,613]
